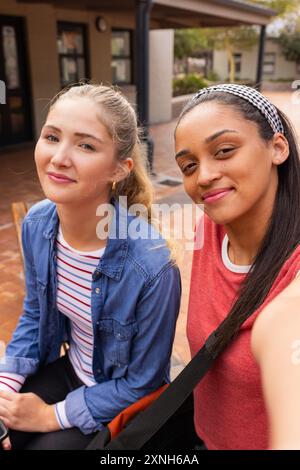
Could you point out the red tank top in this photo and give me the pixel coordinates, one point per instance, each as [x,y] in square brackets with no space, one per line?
[229,406]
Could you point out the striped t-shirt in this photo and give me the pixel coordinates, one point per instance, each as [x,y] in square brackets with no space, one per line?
[74,286]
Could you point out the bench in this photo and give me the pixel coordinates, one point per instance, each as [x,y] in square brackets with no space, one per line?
[19,210]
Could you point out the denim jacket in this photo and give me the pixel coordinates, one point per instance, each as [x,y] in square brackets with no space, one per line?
[135,302]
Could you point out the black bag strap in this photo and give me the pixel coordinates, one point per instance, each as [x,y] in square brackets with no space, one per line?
[158,413]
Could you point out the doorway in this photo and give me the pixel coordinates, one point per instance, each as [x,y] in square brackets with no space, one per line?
[15,114]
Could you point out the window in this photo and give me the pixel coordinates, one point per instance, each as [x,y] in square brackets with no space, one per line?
[269,63]
[72,52]
[238,64]
[121,51]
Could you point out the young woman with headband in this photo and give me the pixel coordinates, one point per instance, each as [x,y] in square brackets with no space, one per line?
[115,297]
[239,158]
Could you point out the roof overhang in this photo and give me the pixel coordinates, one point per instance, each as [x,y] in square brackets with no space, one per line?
[178,13]
[209,13]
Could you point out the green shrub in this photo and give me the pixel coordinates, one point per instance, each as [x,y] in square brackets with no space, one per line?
[212,76]
[188,84]
[242,81]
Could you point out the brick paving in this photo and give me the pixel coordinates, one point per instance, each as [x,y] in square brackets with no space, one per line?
[18,181]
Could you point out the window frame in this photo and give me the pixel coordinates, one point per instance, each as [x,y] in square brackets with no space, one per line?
[235,56]
[268,62]
[69,26]
[238,55]
[129,57]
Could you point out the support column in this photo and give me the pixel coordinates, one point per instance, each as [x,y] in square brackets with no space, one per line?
[260,62]
[143,13]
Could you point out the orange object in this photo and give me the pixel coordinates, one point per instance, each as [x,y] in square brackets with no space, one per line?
[120,421]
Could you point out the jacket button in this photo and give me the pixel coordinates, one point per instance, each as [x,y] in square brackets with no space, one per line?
[96,275]
[97,290]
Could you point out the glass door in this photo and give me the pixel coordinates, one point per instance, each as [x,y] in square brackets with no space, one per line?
[15,114]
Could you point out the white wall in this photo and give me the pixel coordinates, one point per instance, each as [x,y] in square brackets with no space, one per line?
[161,74]
[220,63]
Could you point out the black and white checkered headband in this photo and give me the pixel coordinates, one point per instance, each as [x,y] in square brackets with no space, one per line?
[251,95]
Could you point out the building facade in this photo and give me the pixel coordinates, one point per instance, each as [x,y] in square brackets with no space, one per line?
[275,66]
[48,44]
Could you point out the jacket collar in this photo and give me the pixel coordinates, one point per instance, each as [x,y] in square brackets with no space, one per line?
[112,262]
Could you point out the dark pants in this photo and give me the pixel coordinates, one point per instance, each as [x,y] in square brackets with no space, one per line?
[52,384]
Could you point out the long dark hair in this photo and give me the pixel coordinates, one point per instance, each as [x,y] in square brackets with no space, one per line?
[283,233]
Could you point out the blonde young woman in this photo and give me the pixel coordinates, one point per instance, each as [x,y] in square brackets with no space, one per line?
[115,299]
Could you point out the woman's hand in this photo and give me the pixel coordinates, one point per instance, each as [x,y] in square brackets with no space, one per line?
[27,412]
[6,445]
